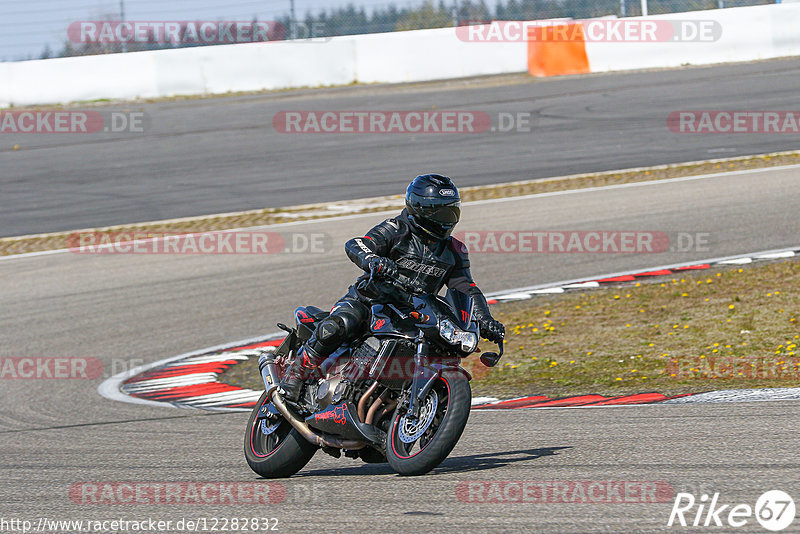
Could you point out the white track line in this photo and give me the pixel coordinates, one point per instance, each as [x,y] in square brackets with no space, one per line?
[471,203]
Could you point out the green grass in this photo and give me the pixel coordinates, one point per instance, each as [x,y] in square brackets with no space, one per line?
[724,329]
[728,328]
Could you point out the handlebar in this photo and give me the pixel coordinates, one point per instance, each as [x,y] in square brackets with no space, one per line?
[401,282]
[405,283]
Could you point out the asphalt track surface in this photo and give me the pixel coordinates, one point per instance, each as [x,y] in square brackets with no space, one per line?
[223,154]
[133,309]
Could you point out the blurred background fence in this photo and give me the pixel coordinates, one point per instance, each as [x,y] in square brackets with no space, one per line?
[39,30]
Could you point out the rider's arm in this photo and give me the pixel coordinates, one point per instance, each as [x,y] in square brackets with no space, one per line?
[460,279]
[377,242]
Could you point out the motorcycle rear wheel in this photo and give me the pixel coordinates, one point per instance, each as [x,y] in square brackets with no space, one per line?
[278,454]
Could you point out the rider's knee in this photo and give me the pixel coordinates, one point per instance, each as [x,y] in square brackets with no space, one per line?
[353,318]
[330,331]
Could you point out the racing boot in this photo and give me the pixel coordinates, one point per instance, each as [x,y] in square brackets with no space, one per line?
[301,369]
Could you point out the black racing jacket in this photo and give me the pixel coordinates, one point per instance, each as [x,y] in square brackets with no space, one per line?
[429,263]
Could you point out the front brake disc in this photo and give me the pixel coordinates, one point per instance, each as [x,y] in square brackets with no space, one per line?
[412,429]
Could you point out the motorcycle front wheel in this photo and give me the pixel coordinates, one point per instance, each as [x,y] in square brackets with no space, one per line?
[415,445]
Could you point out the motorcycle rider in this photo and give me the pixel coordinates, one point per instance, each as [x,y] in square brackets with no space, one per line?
[416,243]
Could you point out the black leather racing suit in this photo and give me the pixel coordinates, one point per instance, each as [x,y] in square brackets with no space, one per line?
[429,262]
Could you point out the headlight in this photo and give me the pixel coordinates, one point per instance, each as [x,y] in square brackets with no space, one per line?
[456,336]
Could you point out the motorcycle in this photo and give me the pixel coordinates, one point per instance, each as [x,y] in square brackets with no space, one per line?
[397,394]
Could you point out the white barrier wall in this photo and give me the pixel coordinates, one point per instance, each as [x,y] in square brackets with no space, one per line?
[390,57]
[253,67]
[5,84]
[117,76]
[439,54]
[748,33]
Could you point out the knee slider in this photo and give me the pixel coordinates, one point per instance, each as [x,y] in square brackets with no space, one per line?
[330,331]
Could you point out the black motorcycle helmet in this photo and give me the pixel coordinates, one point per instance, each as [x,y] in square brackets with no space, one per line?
[433,204]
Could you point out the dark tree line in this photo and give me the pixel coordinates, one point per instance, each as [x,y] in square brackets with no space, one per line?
[351,20]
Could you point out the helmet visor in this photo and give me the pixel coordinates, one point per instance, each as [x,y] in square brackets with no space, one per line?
[446,213]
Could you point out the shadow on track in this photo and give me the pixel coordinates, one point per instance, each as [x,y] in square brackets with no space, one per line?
[460,464]
[481,462]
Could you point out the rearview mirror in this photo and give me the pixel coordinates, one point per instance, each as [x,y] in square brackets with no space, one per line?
[490,359]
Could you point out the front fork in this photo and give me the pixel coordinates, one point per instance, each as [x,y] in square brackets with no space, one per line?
[424,376]
[416,381]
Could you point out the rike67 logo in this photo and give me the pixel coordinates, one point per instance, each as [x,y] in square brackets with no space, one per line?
[774,510]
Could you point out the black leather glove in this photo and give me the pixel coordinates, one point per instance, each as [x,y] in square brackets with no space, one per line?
[492,330]
[383,267]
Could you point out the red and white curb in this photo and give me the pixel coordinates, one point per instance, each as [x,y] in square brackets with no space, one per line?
[632,276]
[191,380]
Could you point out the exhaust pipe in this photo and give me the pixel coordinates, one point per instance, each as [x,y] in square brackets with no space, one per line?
[362,403]
[323,440]
[269,374]
[375,405]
